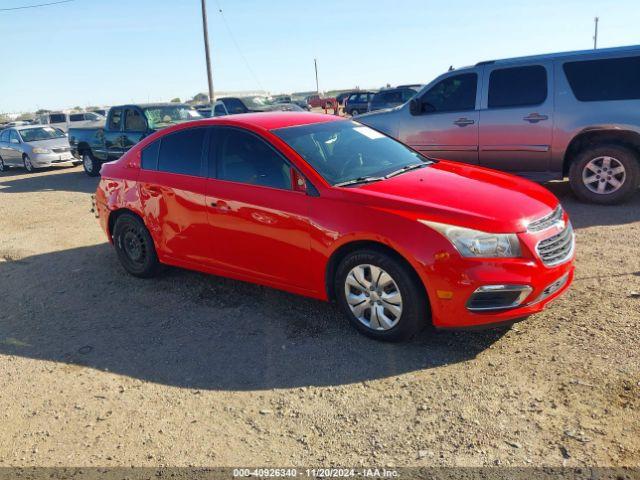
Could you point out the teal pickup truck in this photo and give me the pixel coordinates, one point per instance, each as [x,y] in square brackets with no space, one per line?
[125,126]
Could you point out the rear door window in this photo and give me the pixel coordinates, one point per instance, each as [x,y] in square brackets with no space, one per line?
[456,93]
[76,117]
[149,156]
[234,105]
[181,152]
[115,120]
[4,136]
[607,79]
[518,86]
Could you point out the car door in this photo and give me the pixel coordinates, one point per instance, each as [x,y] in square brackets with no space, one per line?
[260,225]
[445,124]
[113,134]
[4,146]
[172,186]
[14,149]
[516,119]
[135,127]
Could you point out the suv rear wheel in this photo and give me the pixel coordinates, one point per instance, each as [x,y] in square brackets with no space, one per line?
[91,165]
[605,174]
[381,297]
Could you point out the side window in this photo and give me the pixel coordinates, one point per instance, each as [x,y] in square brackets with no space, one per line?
[4,137]
[245,158]
[352,97]
[115,121]
[76,117]
[219,110]
[234,105]
[608,79]
[181,152]
[13,138]
[149,156]
[452,94]
[57,118]
[518,86]
[134,121]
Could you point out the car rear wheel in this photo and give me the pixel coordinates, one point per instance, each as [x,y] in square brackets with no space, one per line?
[3,167]
[355,112]
[605,174]
[91,165]
[26,161]
[381,296]
[134,246]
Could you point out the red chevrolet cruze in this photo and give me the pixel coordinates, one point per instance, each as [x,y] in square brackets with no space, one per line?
[332,209]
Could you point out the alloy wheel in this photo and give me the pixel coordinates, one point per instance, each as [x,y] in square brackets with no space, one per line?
[28,166]
[373,297]
[604,175]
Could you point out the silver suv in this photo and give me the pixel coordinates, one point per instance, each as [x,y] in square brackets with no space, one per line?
[545,117]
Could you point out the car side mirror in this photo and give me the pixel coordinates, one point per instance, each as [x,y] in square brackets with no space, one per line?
[415,106]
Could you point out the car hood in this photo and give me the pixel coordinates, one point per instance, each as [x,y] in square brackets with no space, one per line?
[50,143]
[464,195]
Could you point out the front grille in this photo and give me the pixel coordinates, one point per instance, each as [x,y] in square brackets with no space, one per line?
[558,248]
[546,221]
[62,149]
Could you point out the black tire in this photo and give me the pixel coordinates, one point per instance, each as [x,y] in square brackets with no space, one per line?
[3,167]
[135,247]
[624,156]
[26,162]
[354,112]
[415,310]
[90,164]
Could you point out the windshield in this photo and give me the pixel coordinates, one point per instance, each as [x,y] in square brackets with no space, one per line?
[42,133]
[343,151]
[256,103]
[163,116]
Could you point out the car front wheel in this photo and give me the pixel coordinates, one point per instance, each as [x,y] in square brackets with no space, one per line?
[3,167]
[380,295]
[28,166]
[135,247]
[606,174]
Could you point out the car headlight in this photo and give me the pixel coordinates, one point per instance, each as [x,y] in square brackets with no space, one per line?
[41,150]
[474,243]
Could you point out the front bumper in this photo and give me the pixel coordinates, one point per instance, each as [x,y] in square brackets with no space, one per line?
[47,159]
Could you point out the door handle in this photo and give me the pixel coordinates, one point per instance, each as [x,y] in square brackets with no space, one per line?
[463,122]
[220,205]
[535,118]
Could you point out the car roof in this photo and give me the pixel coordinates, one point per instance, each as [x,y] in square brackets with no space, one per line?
[279,119]
[552,56]
[29,127]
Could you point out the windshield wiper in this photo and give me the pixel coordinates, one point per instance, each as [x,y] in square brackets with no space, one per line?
[413,166]
[358,180]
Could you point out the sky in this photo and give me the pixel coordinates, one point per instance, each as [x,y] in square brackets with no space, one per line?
[106,52]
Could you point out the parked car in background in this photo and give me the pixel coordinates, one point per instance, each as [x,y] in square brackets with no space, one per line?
[219,109]
[235,105]
[332,209]
[100,111]
[544,117]
[65,120]
[281,99]
[391,97]
[358,102]
[301,102]
[126,125]
[316,101]
[342,97]
[33,146]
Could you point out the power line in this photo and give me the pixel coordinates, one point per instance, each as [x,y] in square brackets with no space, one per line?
[35,6]
[233,39]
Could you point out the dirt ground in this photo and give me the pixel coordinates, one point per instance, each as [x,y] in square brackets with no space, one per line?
[100,368]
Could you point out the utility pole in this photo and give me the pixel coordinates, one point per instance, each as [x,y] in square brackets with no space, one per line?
[205,30]
[315,64]
[595,35]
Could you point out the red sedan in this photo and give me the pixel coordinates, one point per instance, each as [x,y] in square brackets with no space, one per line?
[334,210]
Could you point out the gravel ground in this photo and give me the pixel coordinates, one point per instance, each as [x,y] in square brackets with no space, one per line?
[100,368]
